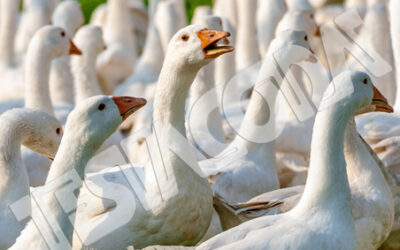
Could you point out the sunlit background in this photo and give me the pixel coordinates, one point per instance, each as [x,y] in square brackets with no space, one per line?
[89,5]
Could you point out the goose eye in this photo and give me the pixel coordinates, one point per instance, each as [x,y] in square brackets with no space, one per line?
[58,131]
[306,38]
[184,37]
[312,16]
[365,81]
[62,33]
[102,106]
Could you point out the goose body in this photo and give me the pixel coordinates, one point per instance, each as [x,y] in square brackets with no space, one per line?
[41,133]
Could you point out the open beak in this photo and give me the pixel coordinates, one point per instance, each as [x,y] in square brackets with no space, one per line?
[73,50]
[209,40]
[380,102]
[128,105]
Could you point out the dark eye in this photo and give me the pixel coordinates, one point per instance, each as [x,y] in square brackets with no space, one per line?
[102,106]
[185,37]
[306,38]
[312,16]
[62,33]
[58,131]
[365,81]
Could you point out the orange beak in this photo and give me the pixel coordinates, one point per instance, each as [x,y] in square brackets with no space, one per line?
[318,31]
[209,40]
[128,105]
[380,102]
[73,50]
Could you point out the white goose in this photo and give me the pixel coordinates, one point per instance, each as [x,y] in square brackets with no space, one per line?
[183,216]
[323,216]
[247,167]
[117,62]
[88,126]
[269,14]
[48,43]
[36,130]
[69,16]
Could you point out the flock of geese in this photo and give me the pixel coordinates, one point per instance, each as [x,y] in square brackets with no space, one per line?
[217,154]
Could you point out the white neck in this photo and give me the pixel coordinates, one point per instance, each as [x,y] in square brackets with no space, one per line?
[327,186]
[73,155]
[150,62]
[37,70]
[118,27]
[84,71]
[246,46]
[8,21]
[15,128]
[61,80]
[172,90]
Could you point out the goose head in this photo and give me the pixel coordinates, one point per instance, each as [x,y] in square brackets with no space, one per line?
[68,14]
[195,45]
[355,89]
[54,42]
[96,118]
[287,46]
[89,38]
[46,133]
[298,20]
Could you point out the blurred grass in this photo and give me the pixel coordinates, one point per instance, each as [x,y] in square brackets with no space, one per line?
[89,5]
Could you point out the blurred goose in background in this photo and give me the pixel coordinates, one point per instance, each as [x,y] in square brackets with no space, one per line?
[117,62]
[39,132]
[269,14]
[36,14]
[69,16]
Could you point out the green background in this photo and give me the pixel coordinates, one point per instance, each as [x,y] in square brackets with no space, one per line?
[89,5]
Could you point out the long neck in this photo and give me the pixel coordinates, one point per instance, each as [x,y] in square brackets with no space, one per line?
[246,47]
[260,109]
[172,90]
[118,25]
[150,62]
[72,156]
[14,128]
[327,186]
[8,22]
[61,80]
[84,70]
[37,69]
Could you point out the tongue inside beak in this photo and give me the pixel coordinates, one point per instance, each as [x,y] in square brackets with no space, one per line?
[128,105]
[209,42]
[380,102]
[73,50]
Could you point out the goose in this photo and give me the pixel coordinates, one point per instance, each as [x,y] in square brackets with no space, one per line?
[323,217]
[116,63]
[10,67]
[88,126]
[370,184]
[48,43]
[39,132]
[375,31]
[246,53]
[36,14]
[182,217]
[269,14]
[69,16]
[228,10]
[246,167]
